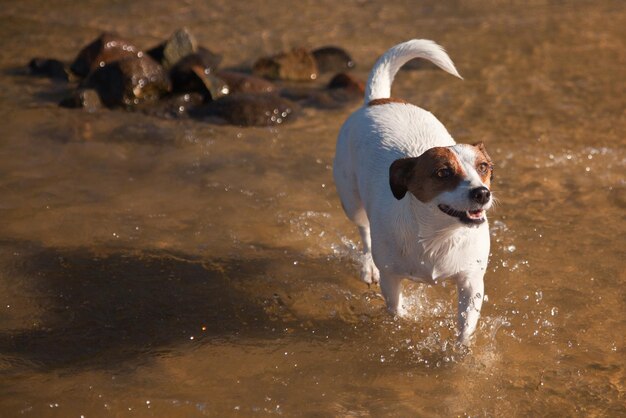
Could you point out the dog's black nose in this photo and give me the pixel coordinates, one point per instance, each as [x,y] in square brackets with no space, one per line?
[480,194]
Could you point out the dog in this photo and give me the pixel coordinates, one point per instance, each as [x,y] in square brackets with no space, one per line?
[418,198]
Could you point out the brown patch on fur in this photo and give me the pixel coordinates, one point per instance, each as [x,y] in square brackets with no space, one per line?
[388,100]
[421,175]
[484,166]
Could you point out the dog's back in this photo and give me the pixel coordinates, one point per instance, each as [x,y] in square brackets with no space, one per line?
[373,137]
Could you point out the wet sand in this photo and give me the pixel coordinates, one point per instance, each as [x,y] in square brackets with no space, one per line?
[153,267]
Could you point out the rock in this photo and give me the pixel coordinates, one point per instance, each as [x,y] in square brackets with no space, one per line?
[173,106]
[342,89]
[107,48]
[87,99]
[48,67]
[345,88]
[193,73]
[249,109]
[156,53]
[209,58]
[245,83]
[129,82]
[347,82]
[332,59]
[178,46]
[296,65]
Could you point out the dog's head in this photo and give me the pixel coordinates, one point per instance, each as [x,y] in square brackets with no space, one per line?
[456,180]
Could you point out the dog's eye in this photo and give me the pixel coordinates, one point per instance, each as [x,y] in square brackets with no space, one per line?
[483,168]
[442,173]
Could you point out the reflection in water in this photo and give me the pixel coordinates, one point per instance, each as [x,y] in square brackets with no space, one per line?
[177,268]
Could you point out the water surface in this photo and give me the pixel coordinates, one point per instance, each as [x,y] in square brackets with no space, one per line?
[152,267]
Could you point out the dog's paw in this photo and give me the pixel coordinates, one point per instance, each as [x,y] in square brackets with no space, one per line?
[369,271]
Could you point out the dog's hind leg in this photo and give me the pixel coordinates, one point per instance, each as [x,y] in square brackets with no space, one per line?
[369,271]
[353,207]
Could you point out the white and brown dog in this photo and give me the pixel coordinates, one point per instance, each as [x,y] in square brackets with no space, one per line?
[418,198]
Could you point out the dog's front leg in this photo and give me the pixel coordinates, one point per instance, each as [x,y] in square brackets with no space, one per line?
[470,289]
[391,288]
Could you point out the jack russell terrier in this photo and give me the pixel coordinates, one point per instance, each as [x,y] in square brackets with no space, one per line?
[418,198]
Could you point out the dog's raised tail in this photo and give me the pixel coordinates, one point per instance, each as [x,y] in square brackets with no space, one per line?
[385,69]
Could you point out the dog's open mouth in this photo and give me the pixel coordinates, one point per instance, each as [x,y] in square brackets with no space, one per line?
[473,217]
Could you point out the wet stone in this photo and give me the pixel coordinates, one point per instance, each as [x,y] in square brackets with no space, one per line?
[194,74]
[87,99]
[48,67]
[209,58]
[129,82]
[205,56]
[343,89]
[249,109]
[245,83]
[296,65]
[178,46]
[347,82]
[332,59]
[174,106]
[107,48]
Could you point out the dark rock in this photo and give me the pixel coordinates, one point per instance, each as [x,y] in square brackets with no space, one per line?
[178,46]
[298,93]
[347,82]
[332,59]
[47,67]
[87,99]
[193,73]
[129,81]
[320,99]
[297,65]
[208,58]
[173,106]
[107,48]
[245,83]
[342,90]
[156,53]
[249,109]
[345,88]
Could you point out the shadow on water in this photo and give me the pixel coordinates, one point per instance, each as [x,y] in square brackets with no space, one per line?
[100,310]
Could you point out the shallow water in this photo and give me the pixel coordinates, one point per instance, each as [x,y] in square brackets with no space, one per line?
[152,267]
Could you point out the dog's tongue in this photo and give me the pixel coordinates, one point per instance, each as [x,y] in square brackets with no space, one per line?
[475,214]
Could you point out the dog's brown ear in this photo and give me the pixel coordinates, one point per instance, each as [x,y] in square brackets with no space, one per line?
[481,147]
[399,176]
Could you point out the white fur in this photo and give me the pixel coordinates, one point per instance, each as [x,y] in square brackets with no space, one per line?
[385,69]
[407,238]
